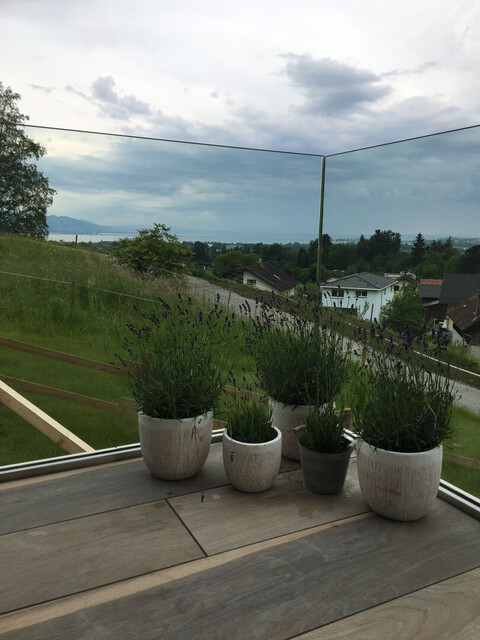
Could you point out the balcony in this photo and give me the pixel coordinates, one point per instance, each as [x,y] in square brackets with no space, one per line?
[110,551]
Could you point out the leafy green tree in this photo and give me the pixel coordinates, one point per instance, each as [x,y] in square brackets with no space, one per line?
[303,259]
[25,194]
[469,262]
[405,307]
[227,263]
[362,249]
[384,242]
[154,252]
[418,250]
[201,252]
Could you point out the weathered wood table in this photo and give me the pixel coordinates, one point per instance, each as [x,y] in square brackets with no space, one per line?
[111,552]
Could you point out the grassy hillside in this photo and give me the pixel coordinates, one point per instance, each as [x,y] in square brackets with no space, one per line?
[39,305]
[39,300]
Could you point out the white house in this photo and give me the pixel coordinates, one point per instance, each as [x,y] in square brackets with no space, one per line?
[266,277]
[366,292]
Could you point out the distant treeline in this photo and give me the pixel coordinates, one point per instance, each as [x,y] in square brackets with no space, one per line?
[382,252]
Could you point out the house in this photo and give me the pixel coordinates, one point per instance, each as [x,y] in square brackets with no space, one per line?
[456,288]
[465,321]
[403,278]
[266,277]
[430,290]
[366,292]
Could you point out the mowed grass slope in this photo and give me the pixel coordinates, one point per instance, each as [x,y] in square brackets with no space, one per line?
[91,324]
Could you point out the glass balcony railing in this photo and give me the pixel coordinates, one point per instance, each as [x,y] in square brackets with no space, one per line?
[217,199]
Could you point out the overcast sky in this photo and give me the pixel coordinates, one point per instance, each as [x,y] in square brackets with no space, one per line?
[310,76]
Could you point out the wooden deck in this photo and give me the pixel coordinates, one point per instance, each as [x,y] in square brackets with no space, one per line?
[111,552]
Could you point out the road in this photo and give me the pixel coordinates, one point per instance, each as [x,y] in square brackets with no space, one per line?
[467,397]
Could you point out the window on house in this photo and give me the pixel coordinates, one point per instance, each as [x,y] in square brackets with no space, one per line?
[361,294]
[337,293]
[251,281]
[396,287]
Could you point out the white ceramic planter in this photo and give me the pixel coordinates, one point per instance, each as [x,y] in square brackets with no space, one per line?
[400,486]
[286,417]
[175,449]
[252,467]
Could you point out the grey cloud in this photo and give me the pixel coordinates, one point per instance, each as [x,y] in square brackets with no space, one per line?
[71,89]
[113,104]
[207,191]
[408,72]
[332,87]
[39,87]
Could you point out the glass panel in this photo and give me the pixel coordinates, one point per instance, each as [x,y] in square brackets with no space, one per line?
[120,184]
[429,186]
[200,192]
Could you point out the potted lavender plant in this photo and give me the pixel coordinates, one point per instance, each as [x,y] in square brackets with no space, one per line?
[252,446]
[300,364]
[324,450]
[402,414]
[176,363]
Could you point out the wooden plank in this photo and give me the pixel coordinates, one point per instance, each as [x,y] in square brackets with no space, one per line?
[60,356]
[95,403]
[73,494]
[49,562]
[279,591]
[41,421]
[243,518]
[79,602]
[445,611]
[113,486]
[471,463]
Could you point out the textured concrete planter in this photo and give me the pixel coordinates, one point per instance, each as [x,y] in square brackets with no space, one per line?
[175,449]
[324,472]
[286,417]
[400,486]
[252,467]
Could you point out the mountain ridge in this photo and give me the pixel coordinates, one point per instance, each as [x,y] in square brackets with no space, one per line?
[65,224]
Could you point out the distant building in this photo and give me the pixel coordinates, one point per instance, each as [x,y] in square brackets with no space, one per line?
[366,292]
[403,278]
[456,288]
[266,277]
[430,290]
[465,321]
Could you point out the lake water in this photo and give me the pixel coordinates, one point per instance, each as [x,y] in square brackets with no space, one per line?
[88,237]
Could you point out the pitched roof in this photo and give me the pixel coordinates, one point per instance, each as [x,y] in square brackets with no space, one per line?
[457,287]
[271,275]
[430,288]
[467,314]
[363,280]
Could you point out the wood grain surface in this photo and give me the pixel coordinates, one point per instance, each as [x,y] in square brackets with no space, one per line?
[96,490]
[286,590]
[55,560]
[245,518]
[449,610]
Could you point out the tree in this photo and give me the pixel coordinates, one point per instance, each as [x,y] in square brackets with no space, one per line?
[227,263]
[469,262]
[25,194]
[418,250]
[384,242]
[153,251]
[405,308]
